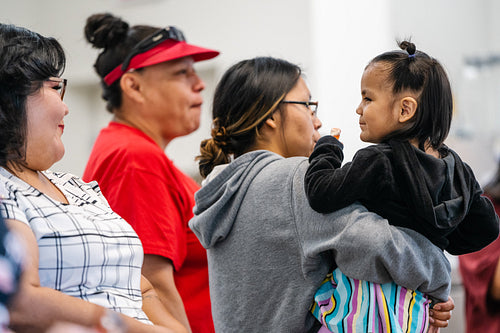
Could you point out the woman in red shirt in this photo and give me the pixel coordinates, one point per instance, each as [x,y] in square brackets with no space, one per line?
[153,92]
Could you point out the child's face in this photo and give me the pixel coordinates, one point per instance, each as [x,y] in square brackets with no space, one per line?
[379,109]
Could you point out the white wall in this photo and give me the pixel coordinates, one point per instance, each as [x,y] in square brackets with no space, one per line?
[346,36]
[451,31]
[240,29]
[331,40]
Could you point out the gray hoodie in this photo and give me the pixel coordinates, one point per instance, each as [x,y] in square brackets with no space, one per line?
[268,251]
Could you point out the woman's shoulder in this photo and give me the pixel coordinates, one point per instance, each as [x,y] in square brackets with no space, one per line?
[11,185]
[75,186]
[123,140]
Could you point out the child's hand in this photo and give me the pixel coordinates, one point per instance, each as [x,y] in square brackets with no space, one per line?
[335,132]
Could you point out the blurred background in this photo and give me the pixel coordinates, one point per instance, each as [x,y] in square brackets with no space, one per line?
[331,40]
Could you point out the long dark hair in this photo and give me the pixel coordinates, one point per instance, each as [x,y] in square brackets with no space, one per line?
[26,60]
[116,38]
[414,70]
[248,93]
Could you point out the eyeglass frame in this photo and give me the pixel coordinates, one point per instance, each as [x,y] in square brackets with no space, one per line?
[314,108]
[62,81]
[156,38]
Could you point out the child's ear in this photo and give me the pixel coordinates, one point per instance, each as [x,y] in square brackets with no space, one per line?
[408,109]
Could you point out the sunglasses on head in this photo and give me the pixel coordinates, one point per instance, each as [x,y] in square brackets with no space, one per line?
[153,40]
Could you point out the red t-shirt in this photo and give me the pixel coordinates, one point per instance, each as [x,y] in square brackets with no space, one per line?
[477,270]
[143,186]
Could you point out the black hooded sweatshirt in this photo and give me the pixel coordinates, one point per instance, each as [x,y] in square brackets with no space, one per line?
[438,197]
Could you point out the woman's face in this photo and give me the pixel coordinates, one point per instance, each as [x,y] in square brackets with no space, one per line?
[173,93]
[45,113]
[300,125]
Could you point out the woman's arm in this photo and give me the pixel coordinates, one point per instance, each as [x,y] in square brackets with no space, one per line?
[37,308]
[159,271]
[155,310]
[365,247]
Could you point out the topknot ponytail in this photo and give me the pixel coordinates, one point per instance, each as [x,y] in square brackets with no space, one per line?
[408,47]
[105,30]
[116,39]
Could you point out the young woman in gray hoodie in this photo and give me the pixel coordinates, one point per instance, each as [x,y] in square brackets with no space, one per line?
[268,251]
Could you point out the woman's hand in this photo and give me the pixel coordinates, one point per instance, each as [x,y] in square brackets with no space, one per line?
[440,314]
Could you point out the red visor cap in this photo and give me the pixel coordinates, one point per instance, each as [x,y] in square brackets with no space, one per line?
[168,50]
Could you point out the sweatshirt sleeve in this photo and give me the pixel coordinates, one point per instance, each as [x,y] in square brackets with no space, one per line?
[365,247]
[330,186]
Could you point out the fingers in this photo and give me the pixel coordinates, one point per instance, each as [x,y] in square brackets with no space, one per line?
[433,329]
[439,319]
[445,306]
[335,132]
[440,314]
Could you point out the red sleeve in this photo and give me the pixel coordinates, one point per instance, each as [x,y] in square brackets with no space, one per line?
[477,270]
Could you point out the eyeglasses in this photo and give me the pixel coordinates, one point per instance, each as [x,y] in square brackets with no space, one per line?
[313,106]
[153,40]
[61,87]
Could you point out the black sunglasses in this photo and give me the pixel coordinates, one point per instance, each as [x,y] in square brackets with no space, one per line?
[153,40]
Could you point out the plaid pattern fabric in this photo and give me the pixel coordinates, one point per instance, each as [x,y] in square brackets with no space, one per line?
[86,250]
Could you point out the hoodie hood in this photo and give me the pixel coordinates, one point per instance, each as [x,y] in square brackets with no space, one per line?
[219,200]
[445,187]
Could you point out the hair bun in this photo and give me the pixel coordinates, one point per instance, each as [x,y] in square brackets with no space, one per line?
[408,47]
[105,30]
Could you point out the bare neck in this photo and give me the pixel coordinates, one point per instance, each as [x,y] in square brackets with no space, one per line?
[39,181]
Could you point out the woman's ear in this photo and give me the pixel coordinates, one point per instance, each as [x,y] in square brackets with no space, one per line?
[408,108]
[271,121]
[131,86]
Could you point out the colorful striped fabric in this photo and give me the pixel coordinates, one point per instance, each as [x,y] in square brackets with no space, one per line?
[348,305]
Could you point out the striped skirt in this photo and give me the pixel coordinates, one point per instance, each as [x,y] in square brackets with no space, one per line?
[345,305]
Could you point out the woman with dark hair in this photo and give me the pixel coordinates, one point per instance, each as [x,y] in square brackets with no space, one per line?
[83,260]
[268,251]
[481,276]
[151,87]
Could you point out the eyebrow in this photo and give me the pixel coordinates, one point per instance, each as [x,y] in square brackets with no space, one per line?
[366,91]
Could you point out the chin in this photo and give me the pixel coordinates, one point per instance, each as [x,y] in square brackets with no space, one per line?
[193,128]
[364,138]
[59,154]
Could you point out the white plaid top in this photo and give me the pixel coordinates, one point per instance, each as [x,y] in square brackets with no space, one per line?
[86,250]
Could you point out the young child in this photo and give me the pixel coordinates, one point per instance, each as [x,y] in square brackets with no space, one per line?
[409,176]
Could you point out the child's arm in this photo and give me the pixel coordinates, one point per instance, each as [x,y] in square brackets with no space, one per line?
[366,247]
[330,187]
